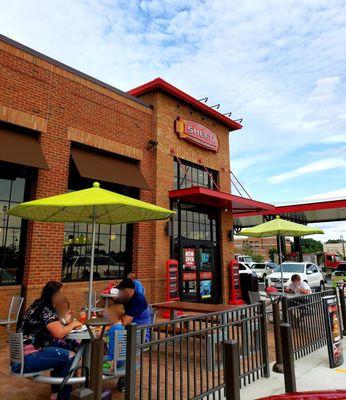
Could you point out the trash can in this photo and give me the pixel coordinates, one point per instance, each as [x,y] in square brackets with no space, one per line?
[248,282]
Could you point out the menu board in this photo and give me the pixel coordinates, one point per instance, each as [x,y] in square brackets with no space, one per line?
[334,342]
[172,280]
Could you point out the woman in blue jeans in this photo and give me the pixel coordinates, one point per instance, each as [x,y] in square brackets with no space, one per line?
[42,331]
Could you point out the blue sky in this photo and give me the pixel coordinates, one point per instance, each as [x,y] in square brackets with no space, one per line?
[279,65]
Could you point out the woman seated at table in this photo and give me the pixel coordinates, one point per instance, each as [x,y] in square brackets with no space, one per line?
[41,328]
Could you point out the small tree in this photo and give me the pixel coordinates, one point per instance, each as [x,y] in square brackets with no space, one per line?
[249,251]
[271,253]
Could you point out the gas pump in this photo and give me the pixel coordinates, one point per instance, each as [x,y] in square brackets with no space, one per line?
[235,297]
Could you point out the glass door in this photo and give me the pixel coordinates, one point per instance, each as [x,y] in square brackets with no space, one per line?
[197,272]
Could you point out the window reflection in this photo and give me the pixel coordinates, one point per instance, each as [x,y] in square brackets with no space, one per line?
[188,175]
[12,191]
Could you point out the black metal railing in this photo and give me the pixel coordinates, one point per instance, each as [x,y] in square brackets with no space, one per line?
[183,359]
[306,316]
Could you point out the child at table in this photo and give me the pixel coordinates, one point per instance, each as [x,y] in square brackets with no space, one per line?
[114,315]
[65,315]
[64,311]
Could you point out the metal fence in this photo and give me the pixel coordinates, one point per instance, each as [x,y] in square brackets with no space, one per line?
[182,358]
[306,316]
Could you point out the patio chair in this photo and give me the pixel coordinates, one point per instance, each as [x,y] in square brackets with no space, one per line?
[13,312]
[17,356]
[94,302]
[255,297]
[119,357]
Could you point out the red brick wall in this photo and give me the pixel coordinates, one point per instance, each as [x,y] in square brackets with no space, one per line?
[62,106]
[65,107]
[167,109]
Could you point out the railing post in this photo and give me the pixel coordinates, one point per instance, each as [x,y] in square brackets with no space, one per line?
[278,366]
[342,308]
[288,358]
[284,309]
[264,339]
[131,351]
[232,369]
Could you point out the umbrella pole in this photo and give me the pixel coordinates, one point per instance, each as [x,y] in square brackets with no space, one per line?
[280,262]
[92,256]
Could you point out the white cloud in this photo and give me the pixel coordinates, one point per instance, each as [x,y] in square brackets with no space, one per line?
[332,230]
[321,165]
[335,194]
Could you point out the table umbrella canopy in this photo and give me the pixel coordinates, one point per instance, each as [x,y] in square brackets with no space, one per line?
[89,205]
[94,205]
[279,227]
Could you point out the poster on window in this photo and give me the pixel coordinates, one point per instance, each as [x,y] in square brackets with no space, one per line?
[205,289]
[334,342]
[189,258]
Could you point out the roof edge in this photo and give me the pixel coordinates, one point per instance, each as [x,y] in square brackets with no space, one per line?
[161,84]
[72,70]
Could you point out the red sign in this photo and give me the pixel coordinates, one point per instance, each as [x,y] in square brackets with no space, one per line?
[197,134]
[206,275]
[189,276]
[189,258]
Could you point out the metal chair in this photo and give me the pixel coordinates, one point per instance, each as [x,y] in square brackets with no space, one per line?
[153,314]
[255,297]
[94,302]
[119,357]
[13,312]
[17,356]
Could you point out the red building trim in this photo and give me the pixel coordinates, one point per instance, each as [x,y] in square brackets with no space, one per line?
[219,199]
[159,83]
[298,208]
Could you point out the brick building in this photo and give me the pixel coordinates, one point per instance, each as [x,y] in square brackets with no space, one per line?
[58,127]
[261,246]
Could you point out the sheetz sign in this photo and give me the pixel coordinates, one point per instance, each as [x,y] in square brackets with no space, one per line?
[197,134]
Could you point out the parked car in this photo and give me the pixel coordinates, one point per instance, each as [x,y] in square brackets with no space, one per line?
[245,269]
[339,275]
[244,259]
[308,272]
[263,269]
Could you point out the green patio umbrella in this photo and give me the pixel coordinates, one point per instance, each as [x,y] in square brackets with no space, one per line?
[279,227]
[95,206]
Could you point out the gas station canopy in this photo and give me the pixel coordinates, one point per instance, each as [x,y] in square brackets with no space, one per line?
[322,211]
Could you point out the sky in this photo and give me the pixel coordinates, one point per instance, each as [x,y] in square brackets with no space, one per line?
[279,65]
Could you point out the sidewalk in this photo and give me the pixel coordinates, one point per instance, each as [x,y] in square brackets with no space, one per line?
[312,373]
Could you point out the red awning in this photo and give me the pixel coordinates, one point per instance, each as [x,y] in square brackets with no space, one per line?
[219,199]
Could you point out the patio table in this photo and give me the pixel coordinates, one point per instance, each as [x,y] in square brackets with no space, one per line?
[83,352]
[202,308]
[107,296]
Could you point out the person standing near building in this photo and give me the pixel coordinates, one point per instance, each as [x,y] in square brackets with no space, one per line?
[138,285]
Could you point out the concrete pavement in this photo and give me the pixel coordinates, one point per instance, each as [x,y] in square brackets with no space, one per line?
[312,373]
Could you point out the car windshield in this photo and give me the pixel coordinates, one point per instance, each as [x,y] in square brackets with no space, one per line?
[258,266]
[291,267]
[341,267]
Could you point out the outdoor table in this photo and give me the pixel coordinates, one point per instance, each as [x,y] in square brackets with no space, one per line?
[83,352]
[107,296]
[202,308]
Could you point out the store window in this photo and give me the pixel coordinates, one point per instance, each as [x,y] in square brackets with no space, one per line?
[113,252]
[14,185]
[195,224]
[187,175]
